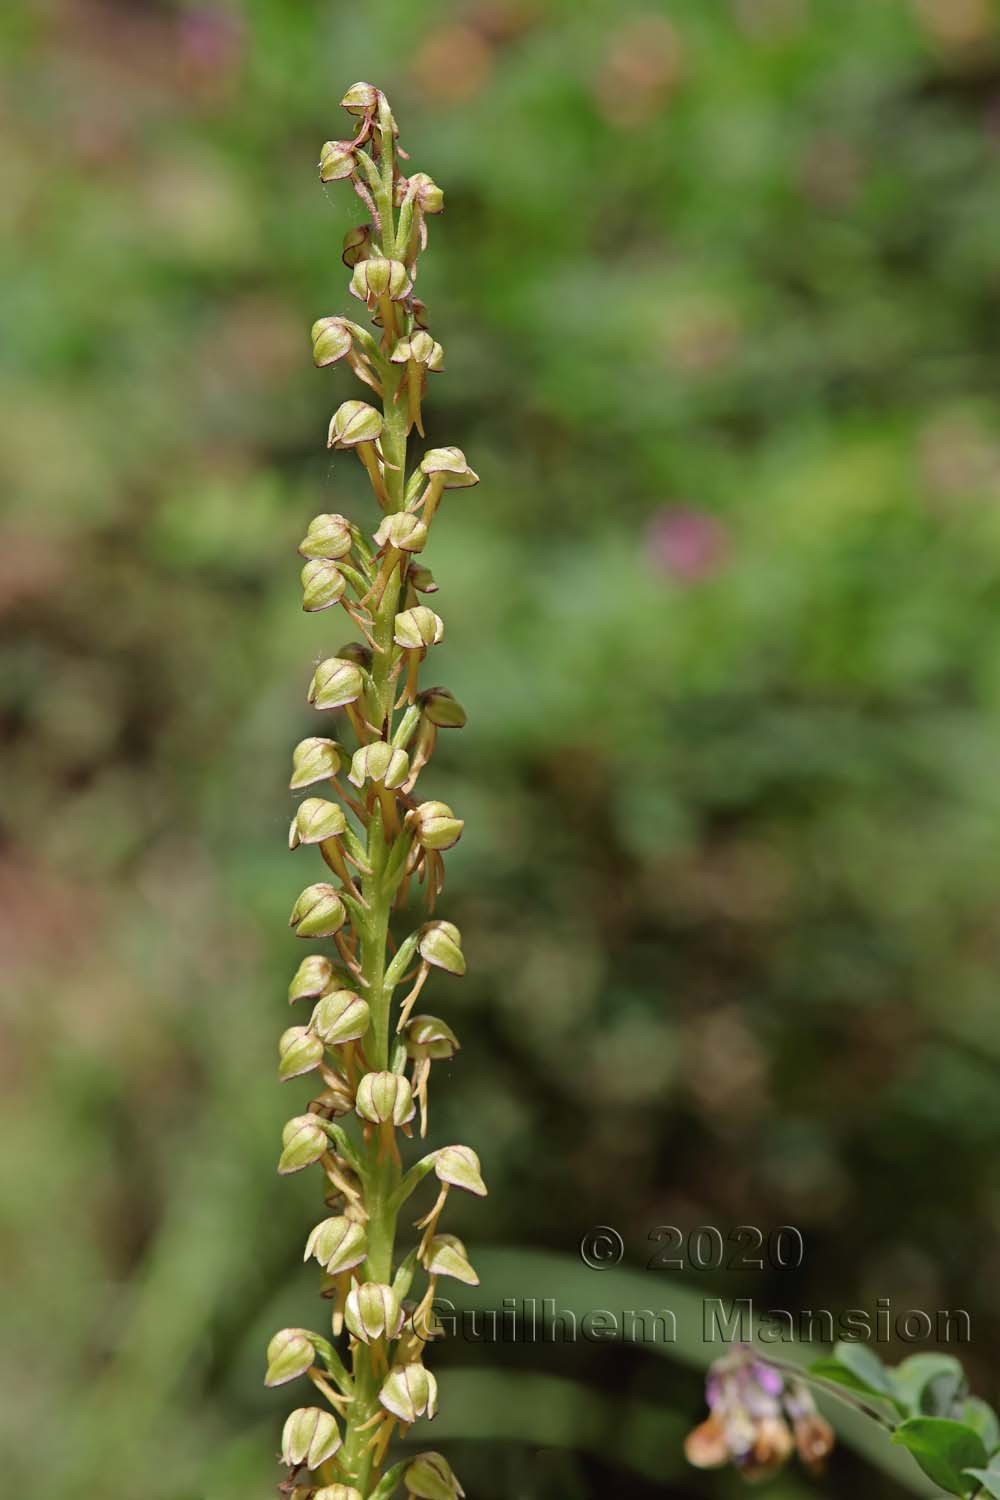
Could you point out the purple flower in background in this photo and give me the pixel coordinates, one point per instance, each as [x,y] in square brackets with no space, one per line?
[690,545]
[757,1418]
[211,41]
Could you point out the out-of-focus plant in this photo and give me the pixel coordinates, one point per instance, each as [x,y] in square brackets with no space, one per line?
[761,1412]
[374,1058]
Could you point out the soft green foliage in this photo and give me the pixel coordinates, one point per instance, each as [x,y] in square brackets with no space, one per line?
[716,283]
[925,1400]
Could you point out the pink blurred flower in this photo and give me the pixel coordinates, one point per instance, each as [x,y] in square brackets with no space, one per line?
[211,43]
[690,545]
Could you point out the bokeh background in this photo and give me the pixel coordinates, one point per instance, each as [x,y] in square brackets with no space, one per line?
[718,283]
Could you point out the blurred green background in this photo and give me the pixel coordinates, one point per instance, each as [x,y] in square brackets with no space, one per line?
[718,285]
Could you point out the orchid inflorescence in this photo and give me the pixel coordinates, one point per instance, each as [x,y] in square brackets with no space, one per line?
[371,1054]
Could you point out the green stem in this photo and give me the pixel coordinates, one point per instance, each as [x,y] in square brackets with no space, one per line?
[380,1178]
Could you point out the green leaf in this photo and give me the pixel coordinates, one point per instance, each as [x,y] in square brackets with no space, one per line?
[929,1384]
[866,1365]
[944,1450]
[858,1369]
[980,1416]
[989,1479]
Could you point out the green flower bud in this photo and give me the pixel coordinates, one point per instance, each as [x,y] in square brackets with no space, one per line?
[403,531]
[318,912]
[423,191]
[323,584]
[421,349]
[289,1354]
[315,821]
[442,708]
[373,1311]
[312,978]
[358,653]
[310,1437]
[339,1244]
[335,683]
[450,468]
[360,99]
[331,341]
[429,1036]
[385,1097]
[436,825]
[379,762]
[357,244]
[459,1167]
[328,536]
[336,160]
[440,945]
[421,579]
[377,278]
[313,760]
[409,1392]
[431,1477]
[341,1017]
[337,1492]
[336,1099]
[416,629]
[303,1141]
[354,422]
[299,1051]
[446,1256]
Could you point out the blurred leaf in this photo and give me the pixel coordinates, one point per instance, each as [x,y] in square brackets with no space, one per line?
[944,1450]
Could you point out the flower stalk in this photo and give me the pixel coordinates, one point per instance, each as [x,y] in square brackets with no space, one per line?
[371,1056]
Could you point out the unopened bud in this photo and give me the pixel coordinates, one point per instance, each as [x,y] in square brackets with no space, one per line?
[421,579]
[385,1098]
[323,584]
[442,708]
[357,652]
[440,944]
[328,536]
[357,244]
[316,820]
[336,160]
[379,277]
[403,531]
[409,1392]
[341,1017]
[436,825]
[303,1142]
[312,978]
[354,422]
[429,1036]
[339,1244]
[446,1256]
[310,1437]
[337,1492]
[459,1167]
[431,1477]
[318,912]
[421,349]
[379,762]
[373,1311]
[289,1354]
[417,628]
[450,467]
[314,759]
[423,191]
[331,341]
[360,99]
[336,1099]
[299,1051]
[335,683]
